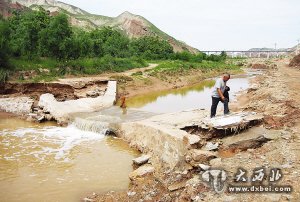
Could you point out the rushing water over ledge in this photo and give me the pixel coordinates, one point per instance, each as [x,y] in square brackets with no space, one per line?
[44,162]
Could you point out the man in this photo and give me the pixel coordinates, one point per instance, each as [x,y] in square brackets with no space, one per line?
[218,95]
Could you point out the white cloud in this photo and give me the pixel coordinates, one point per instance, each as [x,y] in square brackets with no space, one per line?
[213,24]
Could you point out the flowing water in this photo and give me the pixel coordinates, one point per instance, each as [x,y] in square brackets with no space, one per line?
[45,162]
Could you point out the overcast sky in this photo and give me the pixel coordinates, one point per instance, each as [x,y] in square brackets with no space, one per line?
[213,24]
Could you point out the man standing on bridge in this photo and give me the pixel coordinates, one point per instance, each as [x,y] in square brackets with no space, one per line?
[218,92]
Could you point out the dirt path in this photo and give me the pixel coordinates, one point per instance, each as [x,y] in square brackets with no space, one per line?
[132,71]
[105,76]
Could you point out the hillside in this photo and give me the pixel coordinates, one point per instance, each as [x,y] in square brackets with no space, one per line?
[134,26]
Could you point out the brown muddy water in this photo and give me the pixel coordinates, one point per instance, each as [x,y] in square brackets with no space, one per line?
[192,97]
[44,162]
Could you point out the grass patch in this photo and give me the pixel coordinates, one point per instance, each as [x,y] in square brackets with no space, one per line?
[24,64]
[47,69]
[4,74]
[177,66]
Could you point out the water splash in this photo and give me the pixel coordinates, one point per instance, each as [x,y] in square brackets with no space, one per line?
[47,141]
[95,126]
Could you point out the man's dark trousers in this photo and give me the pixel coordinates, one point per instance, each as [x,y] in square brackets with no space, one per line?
[215,102]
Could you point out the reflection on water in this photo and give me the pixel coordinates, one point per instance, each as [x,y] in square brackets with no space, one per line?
[43,162]
[196,96]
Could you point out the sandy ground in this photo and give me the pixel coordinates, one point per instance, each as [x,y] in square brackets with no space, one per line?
[275,94]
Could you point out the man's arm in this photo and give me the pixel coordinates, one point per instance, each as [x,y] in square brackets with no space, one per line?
[220,94]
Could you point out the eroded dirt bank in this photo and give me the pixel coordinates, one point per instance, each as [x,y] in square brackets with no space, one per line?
[273,144]
[23,99]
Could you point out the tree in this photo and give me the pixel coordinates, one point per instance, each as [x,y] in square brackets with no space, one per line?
[4,47]
[223,55]
[107,41]
[82,44]
[25,29]
[151,47]
[56,38]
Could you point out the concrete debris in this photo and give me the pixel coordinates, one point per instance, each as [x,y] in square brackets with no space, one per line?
[204,167]
[200,156]
[141,172]
[211,146]
[17,105]
[61,111]
[141,160]
[232,121]
[193,139]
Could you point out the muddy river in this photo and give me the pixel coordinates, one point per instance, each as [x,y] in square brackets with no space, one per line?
[192,97]
[45,162]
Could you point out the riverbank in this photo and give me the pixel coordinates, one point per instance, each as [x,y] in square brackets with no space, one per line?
[163,76]
[274,94]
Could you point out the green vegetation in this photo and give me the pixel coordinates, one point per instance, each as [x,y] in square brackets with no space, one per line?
[34,40]
[172,66]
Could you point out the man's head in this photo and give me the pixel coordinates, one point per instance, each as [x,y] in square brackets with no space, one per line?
[226,77]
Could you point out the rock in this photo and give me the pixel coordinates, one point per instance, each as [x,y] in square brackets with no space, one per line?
[177,185]
[188,158]
[201,155]
[78,85]
[141,172]
[141,160]
[204,167]
[248,144]
[193,139]
[17,105]
[131,193]
[41,118]
[92,94]
[211,146]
